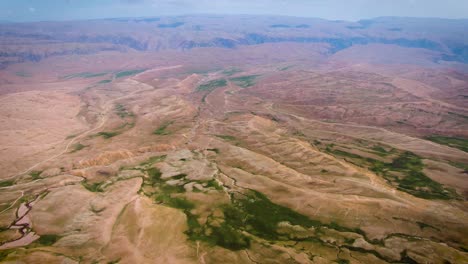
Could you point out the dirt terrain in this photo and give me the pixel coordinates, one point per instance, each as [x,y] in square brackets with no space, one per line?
[271,152]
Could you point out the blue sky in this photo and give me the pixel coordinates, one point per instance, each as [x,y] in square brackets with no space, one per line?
[34,10]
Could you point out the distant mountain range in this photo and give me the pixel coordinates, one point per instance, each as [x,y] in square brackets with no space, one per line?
[35,41]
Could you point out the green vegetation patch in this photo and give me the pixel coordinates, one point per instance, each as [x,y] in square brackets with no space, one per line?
[128,125]
[114,261]
[244,81]
[215,150]
[122,74]
[253,213]
[154,179]
[415,181]
[154,175]
[345,154]
[459,165]
[108,135]
[165,193]
[458,115]
[128,122]
[7,183]
[170,189]
[70,136]
[224,235]
[153,160]
[404,172]
[93,187]
[227,137]
[211,85]
[122,112]
[424,225]
[454,142]
[228,237]
[286,68]
[259,216]
[316,142]
[48,240]
[35,174]
[379,150]
[5,253]
[342,261]
[77,147]
[232,71]
[85,75]
[104,81]
[161,130]
[298,133]
[175,202]
[214,184]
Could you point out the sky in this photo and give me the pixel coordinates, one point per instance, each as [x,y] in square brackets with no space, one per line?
[41,10]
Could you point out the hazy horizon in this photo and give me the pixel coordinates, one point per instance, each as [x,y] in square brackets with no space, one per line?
[352,10]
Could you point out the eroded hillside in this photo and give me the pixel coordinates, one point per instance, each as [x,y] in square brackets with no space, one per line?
[240,164]
[235,147]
